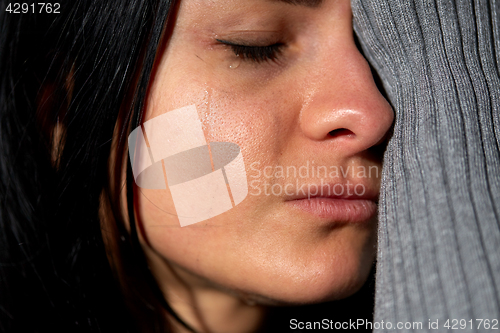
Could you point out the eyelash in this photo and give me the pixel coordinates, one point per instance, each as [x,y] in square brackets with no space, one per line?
[255,53]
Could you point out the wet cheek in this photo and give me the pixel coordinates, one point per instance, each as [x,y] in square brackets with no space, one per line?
[226,115]
[230,110]
[230,107]
[232,118]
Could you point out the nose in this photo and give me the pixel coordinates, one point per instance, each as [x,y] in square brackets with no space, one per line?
[344,107]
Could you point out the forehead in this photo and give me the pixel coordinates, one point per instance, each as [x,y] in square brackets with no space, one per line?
[229,12]
[306,3]
[298,3]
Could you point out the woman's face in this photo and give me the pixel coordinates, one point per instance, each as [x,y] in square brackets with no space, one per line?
[300,102]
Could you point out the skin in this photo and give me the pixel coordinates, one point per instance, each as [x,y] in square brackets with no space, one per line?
[220,274]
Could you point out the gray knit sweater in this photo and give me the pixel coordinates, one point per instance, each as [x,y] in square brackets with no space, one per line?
[439,229]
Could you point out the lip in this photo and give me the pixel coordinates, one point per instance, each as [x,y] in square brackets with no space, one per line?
[347,208]
[338,210]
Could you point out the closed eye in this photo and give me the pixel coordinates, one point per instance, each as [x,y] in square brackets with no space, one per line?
[255,53]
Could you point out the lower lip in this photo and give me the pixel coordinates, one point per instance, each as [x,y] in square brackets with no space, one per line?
[339,210]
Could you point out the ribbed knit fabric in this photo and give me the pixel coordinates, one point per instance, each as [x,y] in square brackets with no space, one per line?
[439,226]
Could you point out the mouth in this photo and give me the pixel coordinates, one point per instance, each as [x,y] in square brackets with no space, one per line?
[330,203]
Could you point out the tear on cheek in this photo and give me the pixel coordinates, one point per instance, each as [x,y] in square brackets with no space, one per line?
[205,179]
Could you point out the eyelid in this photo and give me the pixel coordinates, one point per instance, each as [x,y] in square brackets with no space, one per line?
[227,42]
[256,53]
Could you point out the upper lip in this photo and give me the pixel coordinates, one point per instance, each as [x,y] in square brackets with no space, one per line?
[365,191]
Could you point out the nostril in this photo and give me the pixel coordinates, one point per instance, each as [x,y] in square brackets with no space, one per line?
[340,132]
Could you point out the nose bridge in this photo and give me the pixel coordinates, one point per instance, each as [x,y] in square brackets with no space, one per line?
[344,76]
[344,105]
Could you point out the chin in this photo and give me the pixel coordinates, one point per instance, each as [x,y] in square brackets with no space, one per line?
[328,288]
[340,278]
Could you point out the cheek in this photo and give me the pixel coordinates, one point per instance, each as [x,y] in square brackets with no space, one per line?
[228,113]
[252,120]
[239,106]
[258,120]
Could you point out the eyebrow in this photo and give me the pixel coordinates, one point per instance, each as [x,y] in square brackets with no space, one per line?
[306,3]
